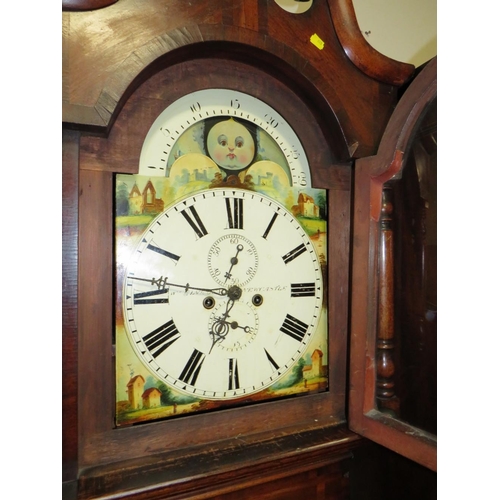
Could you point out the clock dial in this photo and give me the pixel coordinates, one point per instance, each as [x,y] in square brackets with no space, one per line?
[234,131]
[223,294]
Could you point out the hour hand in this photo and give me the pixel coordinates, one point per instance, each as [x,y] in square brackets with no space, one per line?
[163,283]
[234,325]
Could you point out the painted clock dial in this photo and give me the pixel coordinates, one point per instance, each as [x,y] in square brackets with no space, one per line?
[182,130]
[222,294]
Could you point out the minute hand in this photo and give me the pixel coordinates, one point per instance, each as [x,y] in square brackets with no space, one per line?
[163,283]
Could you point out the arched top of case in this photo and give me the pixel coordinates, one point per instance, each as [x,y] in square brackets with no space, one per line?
[110,47]
[404,122]
[401,130]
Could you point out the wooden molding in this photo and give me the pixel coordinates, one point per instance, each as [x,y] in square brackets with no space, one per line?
[240,467]
[360,52]
[399,133]
[107,53]
[177,45]
[86,4]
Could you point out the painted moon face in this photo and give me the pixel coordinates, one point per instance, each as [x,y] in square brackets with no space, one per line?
[230,145]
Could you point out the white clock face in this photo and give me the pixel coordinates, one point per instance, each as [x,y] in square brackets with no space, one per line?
[222,294]
[187,114]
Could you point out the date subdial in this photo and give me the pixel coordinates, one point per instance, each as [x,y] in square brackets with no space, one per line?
[232,260]
[233,328]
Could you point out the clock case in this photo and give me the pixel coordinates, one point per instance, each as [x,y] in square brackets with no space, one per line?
[345,94]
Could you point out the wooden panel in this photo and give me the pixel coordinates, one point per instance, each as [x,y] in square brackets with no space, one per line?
[315,460]
[329,482]
[95,312]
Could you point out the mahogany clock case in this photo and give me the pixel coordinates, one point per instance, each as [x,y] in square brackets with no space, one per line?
[101,444]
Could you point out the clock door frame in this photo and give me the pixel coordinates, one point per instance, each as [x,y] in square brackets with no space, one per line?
[372,356]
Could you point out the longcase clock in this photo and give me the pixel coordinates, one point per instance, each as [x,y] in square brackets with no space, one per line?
[209,159]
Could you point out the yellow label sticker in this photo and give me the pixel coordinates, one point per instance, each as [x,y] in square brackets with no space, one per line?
[317,42]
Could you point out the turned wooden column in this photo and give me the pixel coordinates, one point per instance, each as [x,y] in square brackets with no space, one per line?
[385,394]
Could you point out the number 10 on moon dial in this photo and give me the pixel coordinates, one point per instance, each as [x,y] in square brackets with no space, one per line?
[223,294]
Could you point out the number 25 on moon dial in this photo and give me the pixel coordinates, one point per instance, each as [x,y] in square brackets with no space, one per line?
[223,294]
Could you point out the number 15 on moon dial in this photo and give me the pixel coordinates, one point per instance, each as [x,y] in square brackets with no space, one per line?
[223,294]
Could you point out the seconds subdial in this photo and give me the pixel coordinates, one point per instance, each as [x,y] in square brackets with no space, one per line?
[232,260]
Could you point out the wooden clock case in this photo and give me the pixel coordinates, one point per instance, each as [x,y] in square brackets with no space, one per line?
[123,63]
